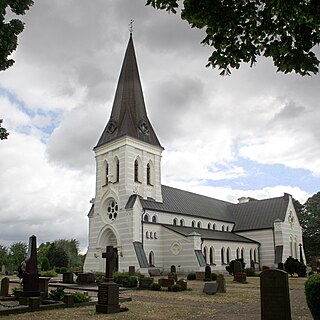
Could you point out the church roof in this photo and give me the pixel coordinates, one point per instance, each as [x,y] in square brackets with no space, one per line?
[252,215]
[128,115]
[259,214]
[209,234]
[188,203]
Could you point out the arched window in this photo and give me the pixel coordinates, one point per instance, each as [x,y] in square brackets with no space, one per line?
[214,226]
[295,248]
[222,256]
[199,224]
[255,256]
[175,221]
[151,259]
[147,234]
[238,253]
[205,253]
[209,225]
[117,170]
[146,218]
[242,254]
[155,235]
[228,255]
[151,235]
[106,170]
[291,247]
[222,228]
[181,222]
[136,171]
[148,174]
[211,256]
[154,219]
[193,224]
[227,228]
[250,255]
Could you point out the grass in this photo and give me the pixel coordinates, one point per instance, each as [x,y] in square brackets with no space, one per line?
[240,301]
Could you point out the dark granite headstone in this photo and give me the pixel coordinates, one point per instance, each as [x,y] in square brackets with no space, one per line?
[29,271]
[183,284]
[210,288]
[154,272]
[207,272]
[145,283]
[221,281]
[67,277]
[167,283]
[173,269]
[44,286]
[274,293]
[173,275]
[108,293]
[237,267]
[4,287]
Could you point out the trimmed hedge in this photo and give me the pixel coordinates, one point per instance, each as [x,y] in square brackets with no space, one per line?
[312,291]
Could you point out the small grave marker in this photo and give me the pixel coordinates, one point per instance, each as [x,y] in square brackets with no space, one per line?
[221,284]
[4,287]
[274,292]
[210,288]
[237,267]
[207,272]
[132,271]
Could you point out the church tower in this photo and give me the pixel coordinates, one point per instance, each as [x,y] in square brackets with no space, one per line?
[128,160]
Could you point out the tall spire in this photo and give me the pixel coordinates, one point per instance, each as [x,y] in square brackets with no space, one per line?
[129,115]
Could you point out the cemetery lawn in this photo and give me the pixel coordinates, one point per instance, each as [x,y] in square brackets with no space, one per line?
[242,301]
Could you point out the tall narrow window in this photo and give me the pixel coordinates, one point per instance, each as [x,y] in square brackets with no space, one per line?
[148,174]
[205,253]
[199,224]
[193,224]
[238,253]
[211,256]
[136,171]
[228,255]
[175,221]
[222,256]
[118,171]
[151,259]
[182,222]
[106,173]
[242,254]
[214,226]
[250,255]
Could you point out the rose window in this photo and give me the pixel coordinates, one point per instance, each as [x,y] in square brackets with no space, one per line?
[112,210]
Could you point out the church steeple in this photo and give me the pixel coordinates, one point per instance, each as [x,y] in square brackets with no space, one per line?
[129,116]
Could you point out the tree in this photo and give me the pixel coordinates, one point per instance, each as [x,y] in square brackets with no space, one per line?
[18,253]
[3,132]
[309,217]
[57,256]
[9,30]
[4,255]
[240,31]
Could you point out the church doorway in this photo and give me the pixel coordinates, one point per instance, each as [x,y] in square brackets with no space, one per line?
[151,259]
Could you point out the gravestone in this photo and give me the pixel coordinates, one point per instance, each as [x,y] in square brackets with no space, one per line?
[108,292]
[154,272]
[167,283]
[145,283]
[221,281]
[173,275]
[132,271]
[183,284]
[200,275]
[44,286]
[207,272]
[4,287]
[237,267]
[173,269]
[274,294]
[29,271]
[67,277]
[210,288]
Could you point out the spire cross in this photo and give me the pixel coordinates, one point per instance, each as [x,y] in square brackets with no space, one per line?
[131,26]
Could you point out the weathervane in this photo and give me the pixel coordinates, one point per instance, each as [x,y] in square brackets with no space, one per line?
[131,27]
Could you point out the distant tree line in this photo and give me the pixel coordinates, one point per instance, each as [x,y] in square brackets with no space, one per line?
[309,218]
[58,254]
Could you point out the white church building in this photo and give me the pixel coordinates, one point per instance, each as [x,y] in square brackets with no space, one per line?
[156,225]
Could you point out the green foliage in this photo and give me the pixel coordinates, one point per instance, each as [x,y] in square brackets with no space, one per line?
[99,277]
[250,272]
[16,291]
[56,294]
[45,264]
[57,256]
[312,291]
[80,297]
[17,254]
[214,276]
[48,273]
[9,30]
[131,282]
[155,286]
[309,217]
[4,255]
[230,267]
[240,31]
[3,132]
[191,276]
[176,288]
[302,270]
[63,270]
[293,266]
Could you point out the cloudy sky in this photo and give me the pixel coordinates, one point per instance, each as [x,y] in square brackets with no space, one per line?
[255,133]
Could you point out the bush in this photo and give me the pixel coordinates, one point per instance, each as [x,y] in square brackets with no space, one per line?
[230,267]
[57,294]
[16,291]
[131,282]
[302,270]
[191,276]
[80,297]
[57,270]
[214,276]
[250,272]
[63,270]
[99,277]
[291,265]
[176,288]
[49,273]
[45,264]
[312,291]
[155,286]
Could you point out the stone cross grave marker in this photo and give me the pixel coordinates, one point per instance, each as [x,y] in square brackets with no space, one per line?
[4,287]
[110,255]
[274,295]
[108,293]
